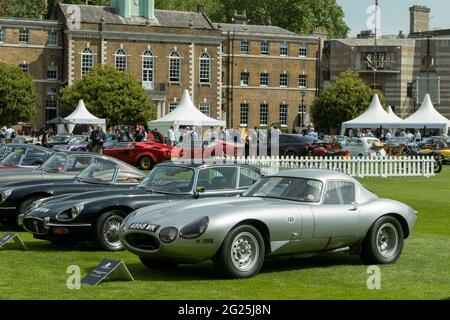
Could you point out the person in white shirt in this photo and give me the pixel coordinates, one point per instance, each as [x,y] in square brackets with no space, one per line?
[9,134]
[170,135]
[418,136]
[410,136]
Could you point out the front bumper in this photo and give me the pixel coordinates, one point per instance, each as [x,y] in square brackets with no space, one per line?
[7,211]
[44,226]
[148,245]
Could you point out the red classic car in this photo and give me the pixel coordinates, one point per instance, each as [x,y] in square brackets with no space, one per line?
[140,154]
[205,150]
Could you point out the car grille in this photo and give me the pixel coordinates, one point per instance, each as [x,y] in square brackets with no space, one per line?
[34,225]
[142,241]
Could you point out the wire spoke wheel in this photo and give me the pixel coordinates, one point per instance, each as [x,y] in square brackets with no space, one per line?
[111,229]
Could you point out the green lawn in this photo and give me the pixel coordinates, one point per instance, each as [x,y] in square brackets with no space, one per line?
[423,271]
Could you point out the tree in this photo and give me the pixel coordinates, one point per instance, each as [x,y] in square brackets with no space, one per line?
[24,9]
[343,100]
[18,98]
[301,16]
[109,94]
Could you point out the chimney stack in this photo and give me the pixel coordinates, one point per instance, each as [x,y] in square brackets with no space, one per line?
[419,19]
[240,18]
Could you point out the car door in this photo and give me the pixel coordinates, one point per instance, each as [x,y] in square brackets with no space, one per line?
[337,219]
[121,151]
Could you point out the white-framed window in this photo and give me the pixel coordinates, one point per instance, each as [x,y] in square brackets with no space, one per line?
[264,114]
[52,72]
[265,47]
[205,68]
[222,78]
[24,36]
[173,106]
[244,114]
[283,114]
[51,103]
[303,50]
[121,60]
[284,80]
[87,60]
[245,46]
[264,79]
[2,35]
[175,67]
[148,69]
[52,91]
[303,81]
[284,49]
[25,67]
[205,107]
[52,38]
[245,79]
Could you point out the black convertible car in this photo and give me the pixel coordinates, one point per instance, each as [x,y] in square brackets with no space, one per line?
[59,166]
[104,173]
[97,216]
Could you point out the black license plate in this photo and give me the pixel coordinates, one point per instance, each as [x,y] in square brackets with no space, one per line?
[144,227]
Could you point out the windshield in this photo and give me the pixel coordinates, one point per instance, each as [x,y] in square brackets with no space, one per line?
[100,171]
[295,189]
[14,158]
[3,151]
[169,179]
[56,163]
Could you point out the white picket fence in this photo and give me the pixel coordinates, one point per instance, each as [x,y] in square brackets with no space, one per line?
[354,166]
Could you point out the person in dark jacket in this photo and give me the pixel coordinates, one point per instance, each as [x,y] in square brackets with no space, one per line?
[98,138]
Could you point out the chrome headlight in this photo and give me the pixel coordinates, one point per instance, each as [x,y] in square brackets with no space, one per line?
[5,195]
[34,205]
[194,229]
[168,235]
[76,210]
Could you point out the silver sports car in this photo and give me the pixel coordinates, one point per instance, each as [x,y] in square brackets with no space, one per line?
[293,212]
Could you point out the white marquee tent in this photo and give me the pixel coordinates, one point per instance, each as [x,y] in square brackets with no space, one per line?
[427,116]
[81,115]
[374,117]
[186,114]
[393,115]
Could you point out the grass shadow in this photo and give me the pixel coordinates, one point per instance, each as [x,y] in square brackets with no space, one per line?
[5,228]
[205,271]
[46,246]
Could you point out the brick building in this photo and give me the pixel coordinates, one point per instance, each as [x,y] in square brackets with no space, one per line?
[267,73]
[167,52]
[406,67]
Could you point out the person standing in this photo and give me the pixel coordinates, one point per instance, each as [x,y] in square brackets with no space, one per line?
[418,136]
[98,138]
[46,137]
[139,134]
[170,137]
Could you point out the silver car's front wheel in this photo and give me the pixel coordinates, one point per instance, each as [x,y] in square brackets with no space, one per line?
[384,241]
[242,253]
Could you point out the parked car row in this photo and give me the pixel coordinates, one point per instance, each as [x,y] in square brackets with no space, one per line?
[188,213]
